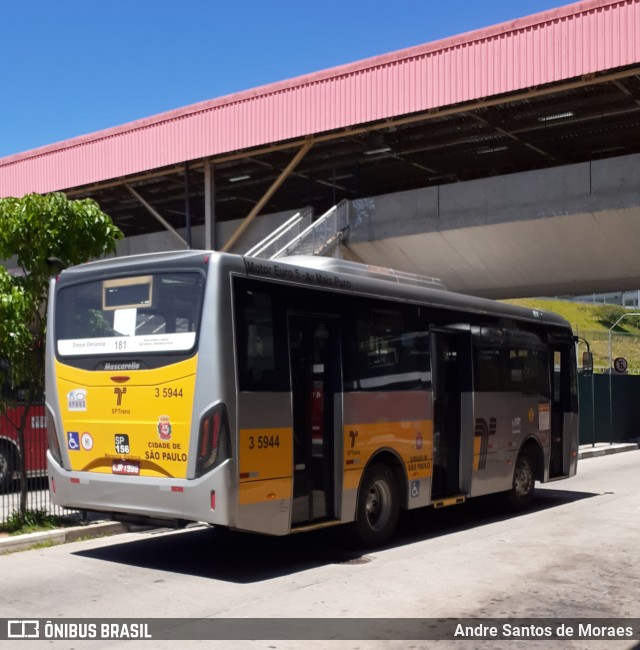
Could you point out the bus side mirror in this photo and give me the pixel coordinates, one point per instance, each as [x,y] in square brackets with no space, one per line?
[587,363]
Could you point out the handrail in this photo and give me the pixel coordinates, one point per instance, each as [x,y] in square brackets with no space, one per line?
[329,235]
[263,243]
[281,232]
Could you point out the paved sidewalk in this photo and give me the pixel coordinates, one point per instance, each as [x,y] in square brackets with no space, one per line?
[13,543]
[605,448]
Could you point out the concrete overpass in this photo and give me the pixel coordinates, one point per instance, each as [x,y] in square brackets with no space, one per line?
[568,230]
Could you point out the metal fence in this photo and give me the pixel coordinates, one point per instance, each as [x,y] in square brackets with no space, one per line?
[609,408]
[24,462]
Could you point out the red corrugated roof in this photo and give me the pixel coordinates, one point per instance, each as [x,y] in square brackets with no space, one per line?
[582,38]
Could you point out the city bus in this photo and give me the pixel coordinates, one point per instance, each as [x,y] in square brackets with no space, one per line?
[279,396]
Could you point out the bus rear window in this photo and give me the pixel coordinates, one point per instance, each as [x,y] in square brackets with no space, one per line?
[150,313]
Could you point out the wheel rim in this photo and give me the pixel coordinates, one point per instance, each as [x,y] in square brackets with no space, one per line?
[4,467]
[378,506]
[523,479]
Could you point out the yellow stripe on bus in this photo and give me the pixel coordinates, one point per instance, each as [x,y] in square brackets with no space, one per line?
[412,440]
[263,491]
[265,453]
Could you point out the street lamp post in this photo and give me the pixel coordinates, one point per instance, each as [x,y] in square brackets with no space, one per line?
[610,373]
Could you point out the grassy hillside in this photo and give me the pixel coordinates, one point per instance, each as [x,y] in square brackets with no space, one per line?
[592,322]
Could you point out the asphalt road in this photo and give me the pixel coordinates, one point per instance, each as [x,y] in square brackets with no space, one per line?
[575,554]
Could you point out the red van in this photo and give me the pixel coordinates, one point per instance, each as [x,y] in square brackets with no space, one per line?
[35,451]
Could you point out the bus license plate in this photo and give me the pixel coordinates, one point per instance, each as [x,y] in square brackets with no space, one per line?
[125,467]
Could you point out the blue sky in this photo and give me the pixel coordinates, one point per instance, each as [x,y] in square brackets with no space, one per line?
[71,67]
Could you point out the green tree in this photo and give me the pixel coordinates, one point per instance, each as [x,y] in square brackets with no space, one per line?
[607,315]
[41,234]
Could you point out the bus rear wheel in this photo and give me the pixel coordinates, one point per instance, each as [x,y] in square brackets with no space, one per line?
[524,479]
[378,506]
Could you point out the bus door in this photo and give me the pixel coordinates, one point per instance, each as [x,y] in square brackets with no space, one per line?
[314,354]
[560,403]
[452,380]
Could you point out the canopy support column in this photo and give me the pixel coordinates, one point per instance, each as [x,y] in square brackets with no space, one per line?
[268,194]
[158,216]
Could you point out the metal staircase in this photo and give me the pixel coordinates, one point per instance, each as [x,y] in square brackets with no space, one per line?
[292,239]
[318,238]
[290,229]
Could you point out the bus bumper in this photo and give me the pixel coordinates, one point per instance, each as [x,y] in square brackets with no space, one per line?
[204,499]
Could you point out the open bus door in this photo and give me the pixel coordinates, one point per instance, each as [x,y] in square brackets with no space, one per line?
[561,404]
[452,412]
[314,351]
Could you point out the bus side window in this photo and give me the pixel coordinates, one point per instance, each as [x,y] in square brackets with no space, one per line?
[529,371]
[256,357]
[388,354]
[490,362]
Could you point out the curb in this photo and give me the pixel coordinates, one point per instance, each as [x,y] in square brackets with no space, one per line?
[605,449]
[61,536]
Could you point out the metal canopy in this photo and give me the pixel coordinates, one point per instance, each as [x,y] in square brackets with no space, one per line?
[579,120]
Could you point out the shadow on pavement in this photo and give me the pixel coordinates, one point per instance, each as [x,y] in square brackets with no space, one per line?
[245,558]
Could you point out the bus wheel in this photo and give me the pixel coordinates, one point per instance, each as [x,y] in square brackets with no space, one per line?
[6,466]
[378,506]
[524,479]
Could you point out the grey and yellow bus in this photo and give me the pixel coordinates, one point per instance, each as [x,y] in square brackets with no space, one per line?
[283,396]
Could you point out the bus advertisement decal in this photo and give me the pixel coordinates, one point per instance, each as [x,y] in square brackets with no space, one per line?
[481,441]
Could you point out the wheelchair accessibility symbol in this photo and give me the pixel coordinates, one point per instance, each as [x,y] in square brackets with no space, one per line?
[73,440]
[415,489]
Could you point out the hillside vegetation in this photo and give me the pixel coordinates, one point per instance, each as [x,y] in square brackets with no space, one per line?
[592,322]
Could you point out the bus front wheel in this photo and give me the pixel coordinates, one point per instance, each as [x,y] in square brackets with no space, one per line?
[378,506]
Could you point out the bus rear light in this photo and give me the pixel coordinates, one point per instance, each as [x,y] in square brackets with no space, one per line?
[213,499]
[213,440]
[210,434]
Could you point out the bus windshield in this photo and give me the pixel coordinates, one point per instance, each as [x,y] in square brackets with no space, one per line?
[159,312]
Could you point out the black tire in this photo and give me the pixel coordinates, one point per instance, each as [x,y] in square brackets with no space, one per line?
[6,466]
[523,484]
[378,506]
